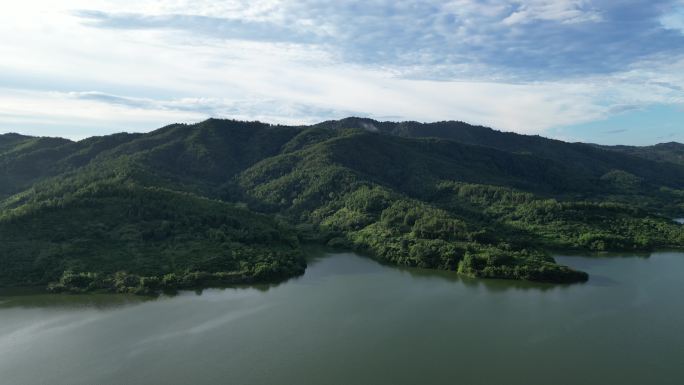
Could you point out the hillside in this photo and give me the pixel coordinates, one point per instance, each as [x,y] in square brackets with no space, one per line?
[159,238]
[672,152]
[643,176]
[225,201]
[586,159]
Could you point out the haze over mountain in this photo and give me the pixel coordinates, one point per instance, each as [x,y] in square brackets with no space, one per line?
[226,201]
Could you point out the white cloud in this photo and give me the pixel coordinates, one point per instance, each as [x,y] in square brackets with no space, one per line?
[64,114]
[674,17]
[564,11]
[63,77]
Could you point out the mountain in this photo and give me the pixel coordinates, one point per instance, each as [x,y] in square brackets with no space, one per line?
[593,172]
[671,152]
[26,160]
[585,159]
[226,201]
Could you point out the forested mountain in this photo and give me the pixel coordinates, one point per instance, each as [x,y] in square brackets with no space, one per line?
[590,160]
[225,201]
[664,152]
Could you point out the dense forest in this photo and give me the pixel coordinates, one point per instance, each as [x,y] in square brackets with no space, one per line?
[226,202]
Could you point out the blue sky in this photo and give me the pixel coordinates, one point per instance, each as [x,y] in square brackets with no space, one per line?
[608,72]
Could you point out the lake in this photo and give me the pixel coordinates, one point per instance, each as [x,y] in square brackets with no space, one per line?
[350,320]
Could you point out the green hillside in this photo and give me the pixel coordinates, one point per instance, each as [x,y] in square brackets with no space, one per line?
[672,152]
[137,234]
[226,201]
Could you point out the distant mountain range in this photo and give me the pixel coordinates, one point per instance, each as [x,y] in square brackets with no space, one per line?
[225,201]
[664,152]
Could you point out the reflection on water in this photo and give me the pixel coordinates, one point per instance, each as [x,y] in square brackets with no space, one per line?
[350,320]
[494,285]
[38,297]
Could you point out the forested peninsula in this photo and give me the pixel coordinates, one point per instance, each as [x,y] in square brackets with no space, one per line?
[224,202]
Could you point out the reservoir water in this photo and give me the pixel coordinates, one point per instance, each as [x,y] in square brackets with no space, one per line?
[349,320]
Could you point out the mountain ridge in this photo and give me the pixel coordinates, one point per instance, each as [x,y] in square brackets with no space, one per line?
[479,201]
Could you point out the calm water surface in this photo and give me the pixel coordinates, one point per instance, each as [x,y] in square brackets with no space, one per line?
[349,320]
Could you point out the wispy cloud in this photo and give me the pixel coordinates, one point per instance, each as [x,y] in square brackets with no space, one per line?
[566,12]
[674,17]
[534,39]
[76,114]
[524,66]
[268,110]
[214,26]
[115,100]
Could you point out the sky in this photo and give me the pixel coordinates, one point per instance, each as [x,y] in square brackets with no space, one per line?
[609,72]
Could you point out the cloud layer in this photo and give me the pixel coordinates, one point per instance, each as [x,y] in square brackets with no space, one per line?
[535,39]
[527,66]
